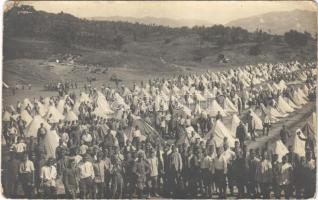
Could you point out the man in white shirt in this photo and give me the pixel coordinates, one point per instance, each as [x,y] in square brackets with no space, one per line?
[152,180]
[87,138]
[26,170]
[48,179]
[19,147]
[229,157]
[86,176]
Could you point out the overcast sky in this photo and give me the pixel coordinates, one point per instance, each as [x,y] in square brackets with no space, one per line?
[219,12]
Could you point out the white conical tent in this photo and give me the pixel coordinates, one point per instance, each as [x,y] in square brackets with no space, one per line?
[25,116]
[184,111]
[298,99]
[6,116]
[56,115]
[291,103]
[71,116]
[50,142]
[42,108]
[279,148]
[119,101]
[220,131]
[301,94]
[274,113]
[258,121]
[229,107]
[35,124]
[199,96]
[298,144]
[103,108]
[234,124]
[25,103]
[84,98]
[284,106]
[46,103]
[214,108]
[305,90]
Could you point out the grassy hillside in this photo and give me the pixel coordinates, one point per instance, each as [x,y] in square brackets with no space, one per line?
[129,50]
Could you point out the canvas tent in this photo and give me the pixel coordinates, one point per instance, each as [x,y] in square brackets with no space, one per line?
[25,116]
[35,124]
[146,130]
[229,107]
[50,141]
[284,106]
[220,131]
[6,117]
[278,148]
[214,108]
[56,115]
[103,108]
[308,131]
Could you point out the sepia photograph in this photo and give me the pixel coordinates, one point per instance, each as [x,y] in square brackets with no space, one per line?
[159,100]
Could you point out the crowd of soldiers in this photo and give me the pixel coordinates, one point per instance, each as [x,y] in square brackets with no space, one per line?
[93,159]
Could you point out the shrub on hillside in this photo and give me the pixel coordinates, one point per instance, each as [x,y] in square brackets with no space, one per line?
[296,39]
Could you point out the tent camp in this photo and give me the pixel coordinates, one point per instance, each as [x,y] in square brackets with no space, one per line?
[50,142]
[278,148]
[6,116]
[56,115]
[146,130]
[283,106]
[298,99]
[291,103]
[102,107]
[273,113]
[308,131]
[41,108]
[220,131]
[25,116]
[214,108]
[229,107]
[35,124]
[25,103]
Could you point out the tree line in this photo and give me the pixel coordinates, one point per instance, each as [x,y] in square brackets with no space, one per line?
[63,28]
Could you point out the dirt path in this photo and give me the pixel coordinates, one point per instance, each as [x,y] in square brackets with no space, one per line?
[296,120]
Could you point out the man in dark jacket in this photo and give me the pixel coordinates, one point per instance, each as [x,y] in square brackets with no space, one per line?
[69,179]
[241,134]
[284,134]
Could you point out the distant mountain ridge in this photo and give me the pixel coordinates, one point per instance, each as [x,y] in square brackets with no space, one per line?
[280,22]
[158,21]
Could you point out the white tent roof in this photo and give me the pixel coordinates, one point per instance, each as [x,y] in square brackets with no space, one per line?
[229,107]
[35,124]
[25,116]
[214,108]
[56,115]
[220,131]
